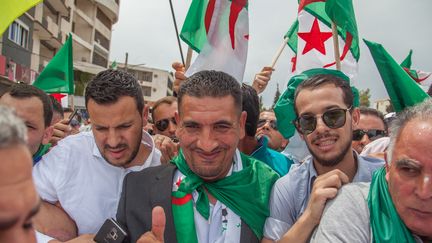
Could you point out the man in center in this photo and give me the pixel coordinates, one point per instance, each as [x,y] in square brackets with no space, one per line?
[209,192]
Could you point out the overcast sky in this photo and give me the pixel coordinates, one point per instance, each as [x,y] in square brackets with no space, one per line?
[145,30]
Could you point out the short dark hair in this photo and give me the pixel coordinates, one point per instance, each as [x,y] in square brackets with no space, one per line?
[109,85]
[22,91]
[165,100]
[57,107]
[251,106]
[373,112]
[210,83]
[323,79]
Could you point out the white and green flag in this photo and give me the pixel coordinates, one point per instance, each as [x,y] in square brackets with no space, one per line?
[219,31]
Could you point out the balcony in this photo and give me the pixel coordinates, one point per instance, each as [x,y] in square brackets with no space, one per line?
[110,8]
[59,6]
[48,31]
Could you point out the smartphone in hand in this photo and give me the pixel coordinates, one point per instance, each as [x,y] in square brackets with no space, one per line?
[110,232]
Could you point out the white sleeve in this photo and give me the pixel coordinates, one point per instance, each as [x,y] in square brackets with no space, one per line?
[52,171]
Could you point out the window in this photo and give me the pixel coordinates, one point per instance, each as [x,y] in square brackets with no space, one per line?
[145,76]
[19,33]
[146,90]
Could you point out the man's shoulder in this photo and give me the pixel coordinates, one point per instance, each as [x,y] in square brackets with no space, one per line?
[78,140]
[159,172]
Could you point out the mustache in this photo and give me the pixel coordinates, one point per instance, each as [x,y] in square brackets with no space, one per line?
[120,146]
[321,136]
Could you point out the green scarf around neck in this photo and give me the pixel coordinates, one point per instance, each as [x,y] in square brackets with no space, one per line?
[386,224]
[245,192]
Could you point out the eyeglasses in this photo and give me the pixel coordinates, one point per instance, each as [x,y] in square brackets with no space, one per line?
[163,124]
[372,134]
[262,122]
[335,118]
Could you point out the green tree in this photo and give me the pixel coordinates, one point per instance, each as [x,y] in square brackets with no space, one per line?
[364,97]
[277,95]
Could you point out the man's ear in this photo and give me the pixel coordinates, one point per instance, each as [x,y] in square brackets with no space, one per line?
[242,124]
[355,117]
[387,166]
[47,134]
[177,119]
[145,114]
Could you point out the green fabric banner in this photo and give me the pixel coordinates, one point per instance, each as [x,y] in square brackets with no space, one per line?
[57,76]
[385,222]
[401,88]
[245,192]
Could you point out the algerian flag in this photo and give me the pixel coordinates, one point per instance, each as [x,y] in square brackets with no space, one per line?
[403,91]
[12,9]
[315,47]
[57,76]
[219,31]
[424,79]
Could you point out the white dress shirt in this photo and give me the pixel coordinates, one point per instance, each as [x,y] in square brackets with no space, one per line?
[88,188]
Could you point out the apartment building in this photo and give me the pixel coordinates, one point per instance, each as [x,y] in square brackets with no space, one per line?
[155,83]
[34,38]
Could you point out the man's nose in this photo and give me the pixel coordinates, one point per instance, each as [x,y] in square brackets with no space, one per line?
[206,140]
[113,138]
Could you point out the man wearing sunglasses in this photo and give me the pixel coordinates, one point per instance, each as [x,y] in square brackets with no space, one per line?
[267,126]
[163,112]
[323,105]
[370,127]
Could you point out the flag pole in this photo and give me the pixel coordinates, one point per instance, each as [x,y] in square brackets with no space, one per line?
[279,52]
[188,58]
[177,34]
[336,46]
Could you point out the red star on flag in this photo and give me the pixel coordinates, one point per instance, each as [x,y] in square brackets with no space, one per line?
[58,96]
[315,38]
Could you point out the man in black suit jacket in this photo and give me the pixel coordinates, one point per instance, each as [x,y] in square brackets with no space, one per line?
[209,192]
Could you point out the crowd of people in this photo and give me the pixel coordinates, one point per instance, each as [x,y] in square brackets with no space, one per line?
[206,165]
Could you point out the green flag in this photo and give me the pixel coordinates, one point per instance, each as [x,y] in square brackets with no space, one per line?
[12,9]
[401,88]
[57,76]
[194,30]
[406,63]
[341,12]
[292,36]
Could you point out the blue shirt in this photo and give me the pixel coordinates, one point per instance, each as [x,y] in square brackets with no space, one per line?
[277,161]
[290,194]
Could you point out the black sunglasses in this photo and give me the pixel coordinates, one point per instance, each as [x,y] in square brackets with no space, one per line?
[262,122]
[335,118]
[163,124]
[372,134]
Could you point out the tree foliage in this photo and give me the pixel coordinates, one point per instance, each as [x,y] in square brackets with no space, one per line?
[364,97]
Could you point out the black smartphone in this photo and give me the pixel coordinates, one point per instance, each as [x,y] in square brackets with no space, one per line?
[110,232]
[72,115]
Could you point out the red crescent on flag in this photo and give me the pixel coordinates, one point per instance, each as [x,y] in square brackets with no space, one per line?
[181,200]
[347,46]
[209,14]
[236,7]
[418,80]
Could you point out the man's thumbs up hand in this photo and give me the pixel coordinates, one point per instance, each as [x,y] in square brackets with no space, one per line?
[156,235]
